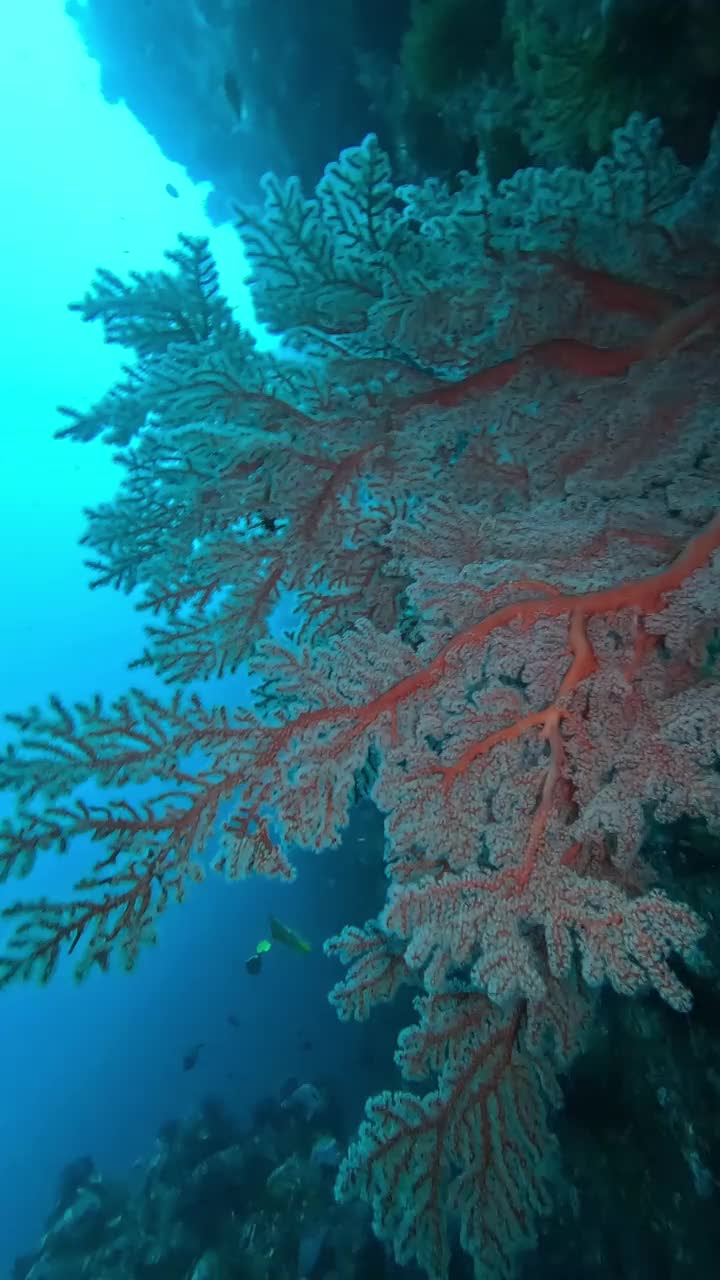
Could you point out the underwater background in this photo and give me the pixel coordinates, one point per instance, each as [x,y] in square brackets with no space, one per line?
[189,1120]
[99,1069]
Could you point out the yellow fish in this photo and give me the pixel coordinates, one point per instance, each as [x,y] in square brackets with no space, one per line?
[283,933]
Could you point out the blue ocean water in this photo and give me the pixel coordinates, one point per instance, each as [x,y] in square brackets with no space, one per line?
[98,1068]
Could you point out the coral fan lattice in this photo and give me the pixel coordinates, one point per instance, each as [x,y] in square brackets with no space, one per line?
[490,475]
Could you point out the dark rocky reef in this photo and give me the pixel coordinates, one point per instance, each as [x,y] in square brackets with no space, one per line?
[233,88]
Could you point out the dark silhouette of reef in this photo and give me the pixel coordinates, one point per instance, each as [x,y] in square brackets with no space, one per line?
[213,1201]
[233,88]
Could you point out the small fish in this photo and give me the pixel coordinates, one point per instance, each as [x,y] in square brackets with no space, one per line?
[234,94]
[172,191]
[234,1022]
[283,933]
[280,933]
[190,1058]
[254,962]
